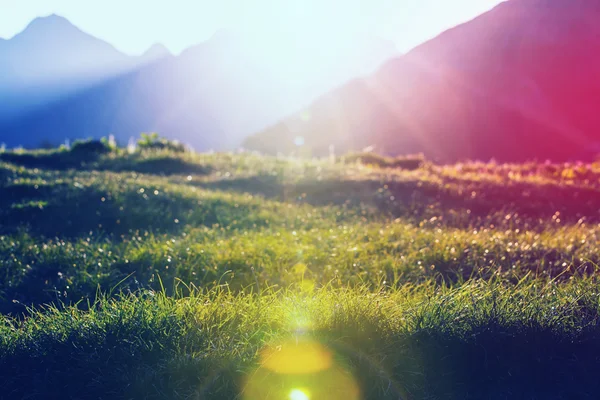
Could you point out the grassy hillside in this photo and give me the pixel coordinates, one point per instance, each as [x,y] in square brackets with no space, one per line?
[164,274]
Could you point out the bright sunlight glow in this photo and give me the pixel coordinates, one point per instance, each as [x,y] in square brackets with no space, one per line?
[300,369]
[298,394]
[179,24]
[294,358]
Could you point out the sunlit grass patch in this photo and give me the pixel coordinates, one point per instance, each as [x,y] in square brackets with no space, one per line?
[164,274]
[419,341]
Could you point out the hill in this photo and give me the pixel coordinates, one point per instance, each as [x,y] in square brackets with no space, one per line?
[519,82]
[210,96]
[161,273]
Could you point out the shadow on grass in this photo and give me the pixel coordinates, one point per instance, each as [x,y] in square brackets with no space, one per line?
[76,213]
[135,354]
[460,204]
[65,160]
[68,212]
[57,160]
[156,166]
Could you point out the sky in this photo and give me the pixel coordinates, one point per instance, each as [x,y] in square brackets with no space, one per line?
[132,26]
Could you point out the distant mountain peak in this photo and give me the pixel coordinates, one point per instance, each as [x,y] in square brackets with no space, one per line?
[156,51]
[52,49]
[51,18]
[50,21]
[48,27]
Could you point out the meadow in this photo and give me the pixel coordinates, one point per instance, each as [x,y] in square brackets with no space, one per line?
[161,273]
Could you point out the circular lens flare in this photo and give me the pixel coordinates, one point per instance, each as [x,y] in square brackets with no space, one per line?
[298,394]
[296,358]
[300,369]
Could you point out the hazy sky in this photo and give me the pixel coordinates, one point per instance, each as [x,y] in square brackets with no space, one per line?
[134,25]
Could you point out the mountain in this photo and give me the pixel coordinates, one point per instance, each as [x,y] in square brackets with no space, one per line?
[519,82]
[211,96]
[50,59]
[51,49]
[156,52]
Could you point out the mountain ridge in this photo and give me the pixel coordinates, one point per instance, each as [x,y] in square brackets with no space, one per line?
[515,83]
[190,97]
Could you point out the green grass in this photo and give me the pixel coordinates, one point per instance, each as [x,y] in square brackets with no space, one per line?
[480,340]
[163,274]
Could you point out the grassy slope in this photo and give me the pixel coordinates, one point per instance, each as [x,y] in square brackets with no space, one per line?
[465,281]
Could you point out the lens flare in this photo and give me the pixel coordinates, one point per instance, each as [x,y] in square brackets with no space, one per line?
[298,394]
[305,116]
[300,369]
[293,358]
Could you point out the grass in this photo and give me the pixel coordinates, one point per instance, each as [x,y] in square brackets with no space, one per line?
[410,163]
[482,340]
[168,274]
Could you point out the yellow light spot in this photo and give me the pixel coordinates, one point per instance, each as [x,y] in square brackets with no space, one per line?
[298,394]
[300,369]
[300,269]
[296,358]
[307,286]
